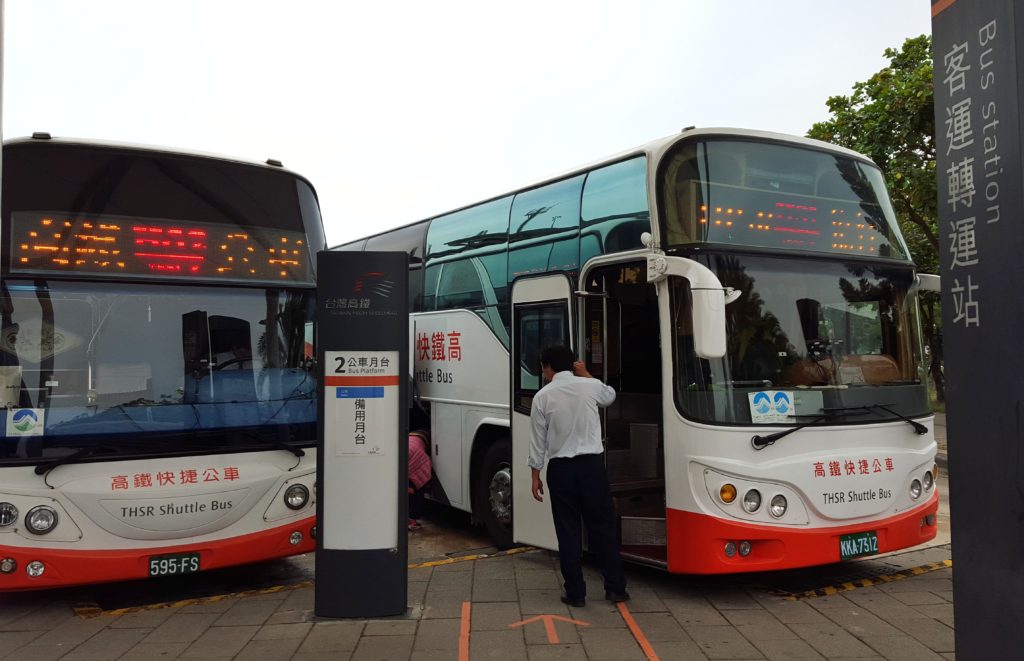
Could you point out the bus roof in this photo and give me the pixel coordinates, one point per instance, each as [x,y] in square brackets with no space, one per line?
[655,148]
[129,146]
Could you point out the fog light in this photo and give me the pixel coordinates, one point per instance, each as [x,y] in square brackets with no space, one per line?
[915,489]
[929,520]
[730,549]
[296,496]
[8,565]
[295,538]
[751,502]
[727,493]
[35,569]
[8,514]
[312,532]
[744,548]
[778,505]
[928,481]
[41,519]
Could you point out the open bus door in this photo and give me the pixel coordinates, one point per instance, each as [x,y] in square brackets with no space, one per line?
[541,316]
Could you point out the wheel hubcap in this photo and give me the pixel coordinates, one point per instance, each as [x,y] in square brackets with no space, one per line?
[501,495]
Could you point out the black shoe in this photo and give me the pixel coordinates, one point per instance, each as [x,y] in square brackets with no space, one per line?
[616,597]
[578,603]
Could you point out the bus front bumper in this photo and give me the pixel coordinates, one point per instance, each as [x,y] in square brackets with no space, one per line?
[697,542]
[67,567]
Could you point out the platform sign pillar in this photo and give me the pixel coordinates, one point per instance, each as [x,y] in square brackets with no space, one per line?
[978,61]
[362,349]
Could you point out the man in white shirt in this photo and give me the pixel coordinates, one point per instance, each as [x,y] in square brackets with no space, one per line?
[566,430]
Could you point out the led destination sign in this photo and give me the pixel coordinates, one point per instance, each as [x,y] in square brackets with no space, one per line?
[125,246]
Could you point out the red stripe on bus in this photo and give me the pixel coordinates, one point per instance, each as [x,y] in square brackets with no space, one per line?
[696,542]
[362,380]
[65,567]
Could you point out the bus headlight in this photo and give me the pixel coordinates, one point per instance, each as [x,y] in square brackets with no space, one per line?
[296,496]
[752,500]
[727,493]
[929,482]
[915,489]
[777,507]
[41,519]
[8,514]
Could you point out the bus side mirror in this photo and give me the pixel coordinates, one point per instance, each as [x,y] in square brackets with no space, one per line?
[929,282]
[708,322]
[709,300]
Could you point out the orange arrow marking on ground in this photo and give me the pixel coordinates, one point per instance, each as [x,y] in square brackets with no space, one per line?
[549,624]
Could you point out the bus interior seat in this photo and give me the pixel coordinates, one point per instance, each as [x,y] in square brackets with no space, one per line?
[870,369]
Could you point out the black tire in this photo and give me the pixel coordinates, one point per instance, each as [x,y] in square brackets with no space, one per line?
[495,479]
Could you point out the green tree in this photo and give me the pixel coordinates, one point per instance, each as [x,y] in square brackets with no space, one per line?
[891,118]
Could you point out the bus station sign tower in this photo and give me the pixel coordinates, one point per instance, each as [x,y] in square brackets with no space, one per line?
[978,57]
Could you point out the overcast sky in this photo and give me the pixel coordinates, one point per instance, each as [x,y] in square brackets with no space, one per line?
[401,110]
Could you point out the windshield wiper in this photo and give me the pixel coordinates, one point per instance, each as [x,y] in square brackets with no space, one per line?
[761,442]
[918,427]
[267,439]
[81,453]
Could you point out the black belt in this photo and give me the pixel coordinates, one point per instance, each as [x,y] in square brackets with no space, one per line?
[578,456]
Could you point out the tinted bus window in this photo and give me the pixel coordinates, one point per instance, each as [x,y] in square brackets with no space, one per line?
[409,240]
[355,246]
[776,196]
[467,263]
[544,229]
[615,211]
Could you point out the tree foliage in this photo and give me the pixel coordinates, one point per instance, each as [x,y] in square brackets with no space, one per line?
[891,119]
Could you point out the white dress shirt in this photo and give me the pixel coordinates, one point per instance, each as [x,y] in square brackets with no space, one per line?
[563,418]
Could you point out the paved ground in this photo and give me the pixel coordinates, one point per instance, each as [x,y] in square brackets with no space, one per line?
[507,608]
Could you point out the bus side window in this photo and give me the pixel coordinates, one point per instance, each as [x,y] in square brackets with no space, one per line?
[459,286]
[536,328]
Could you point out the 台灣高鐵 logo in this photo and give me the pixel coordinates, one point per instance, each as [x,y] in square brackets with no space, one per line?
[373,282]
[25,422]
[771,406]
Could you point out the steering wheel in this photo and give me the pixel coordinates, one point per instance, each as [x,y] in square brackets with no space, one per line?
[233,361]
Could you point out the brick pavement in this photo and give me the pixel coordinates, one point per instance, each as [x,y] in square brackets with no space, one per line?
[679,617]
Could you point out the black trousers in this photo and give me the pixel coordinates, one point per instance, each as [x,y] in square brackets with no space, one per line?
[578,488]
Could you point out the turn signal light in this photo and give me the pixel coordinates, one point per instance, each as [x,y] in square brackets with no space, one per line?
[727,493]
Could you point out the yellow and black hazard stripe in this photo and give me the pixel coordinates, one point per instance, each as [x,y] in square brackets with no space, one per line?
[867,582]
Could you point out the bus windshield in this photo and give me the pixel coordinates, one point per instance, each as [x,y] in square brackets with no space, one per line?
[831,334]
[153,369]
[769,195]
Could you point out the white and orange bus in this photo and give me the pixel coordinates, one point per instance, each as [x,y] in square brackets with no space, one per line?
[752,301]
[158,391]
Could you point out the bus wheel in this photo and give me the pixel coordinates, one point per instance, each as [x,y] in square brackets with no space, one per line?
[494,492]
